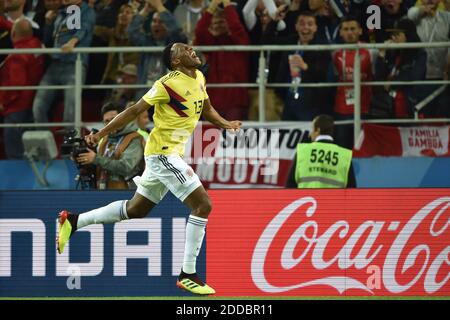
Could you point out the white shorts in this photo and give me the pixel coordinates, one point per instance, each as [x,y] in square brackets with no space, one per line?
[163,173]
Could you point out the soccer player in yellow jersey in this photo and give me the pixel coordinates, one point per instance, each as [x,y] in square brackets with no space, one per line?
[179,99]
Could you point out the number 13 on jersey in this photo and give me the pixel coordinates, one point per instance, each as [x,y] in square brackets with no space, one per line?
[198,106]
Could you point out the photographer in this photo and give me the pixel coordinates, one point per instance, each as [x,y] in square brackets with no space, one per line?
[119,156]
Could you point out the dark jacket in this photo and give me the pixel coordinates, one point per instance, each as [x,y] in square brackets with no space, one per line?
[314,100]
[291,183]
[411,67]
[139,37]
[59,34]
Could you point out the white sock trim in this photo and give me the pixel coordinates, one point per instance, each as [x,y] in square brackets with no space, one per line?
[123,211]
[198,218]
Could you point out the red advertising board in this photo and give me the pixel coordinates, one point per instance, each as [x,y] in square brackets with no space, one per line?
[360,242]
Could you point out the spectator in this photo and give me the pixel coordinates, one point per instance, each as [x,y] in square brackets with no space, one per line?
[62,67]
[39,17]
[327,21]
[117,37]
[295,8]
[420,3]
[343,61]
[106,12]
[401,65]
[14,9]
[255,8]
[19,70]
[5,32]
[187,15]
[136,5]
[446,5]
[322,163]
[32,7]
[391,12]
[127,76]
[263,31]
[163,31]
[434,26]
[222,27]
[119,156]
[303,104]
[172,4]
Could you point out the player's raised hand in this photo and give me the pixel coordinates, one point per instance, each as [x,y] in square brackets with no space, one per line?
[92,139]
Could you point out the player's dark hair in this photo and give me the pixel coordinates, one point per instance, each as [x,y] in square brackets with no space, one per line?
[325,123]
[112,106]
[167,56]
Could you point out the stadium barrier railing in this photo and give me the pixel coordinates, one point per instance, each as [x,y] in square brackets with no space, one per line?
[261,82]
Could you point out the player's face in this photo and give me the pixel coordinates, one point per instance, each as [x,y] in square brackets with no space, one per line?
[186,55]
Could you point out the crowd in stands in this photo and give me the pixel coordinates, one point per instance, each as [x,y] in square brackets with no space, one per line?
[39,23]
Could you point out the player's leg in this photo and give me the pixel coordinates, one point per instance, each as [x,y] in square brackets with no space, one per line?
[198,201]
[149,192]
[137,207]
[200,205]
[181,180]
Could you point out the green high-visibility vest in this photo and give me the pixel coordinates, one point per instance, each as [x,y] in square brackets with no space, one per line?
[143,133]
[322,165]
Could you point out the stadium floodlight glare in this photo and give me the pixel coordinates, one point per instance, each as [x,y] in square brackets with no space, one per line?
[39,146]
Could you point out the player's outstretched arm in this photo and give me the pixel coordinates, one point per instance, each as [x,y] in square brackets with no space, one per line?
[210,114]
[120,121]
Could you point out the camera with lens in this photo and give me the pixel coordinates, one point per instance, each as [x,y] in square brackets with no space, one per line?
[72,147]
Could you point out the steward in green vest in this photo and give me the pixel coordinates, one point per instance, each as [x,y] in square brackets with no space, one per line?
[322,163]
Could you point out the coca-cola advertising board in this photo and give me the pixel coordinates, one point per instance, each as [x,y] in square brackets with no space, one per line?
[338,242]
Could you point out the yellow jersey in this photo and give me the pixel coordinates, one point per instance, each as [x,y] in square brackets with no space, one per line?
[178,102]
